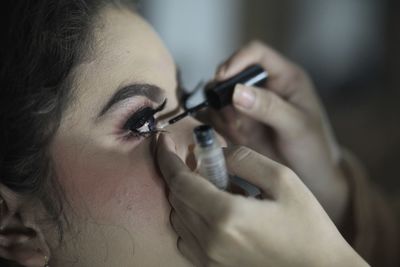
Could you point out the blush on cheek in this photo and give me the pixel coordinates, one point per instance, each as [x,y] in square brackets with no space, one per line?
[143,196]
[109,187]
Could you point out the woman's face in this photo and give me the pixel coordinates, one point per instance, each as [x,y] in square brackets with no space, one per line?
[119,211]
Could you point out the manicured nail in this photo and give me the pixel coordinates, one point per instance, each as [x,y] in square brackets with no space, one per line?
[244,97]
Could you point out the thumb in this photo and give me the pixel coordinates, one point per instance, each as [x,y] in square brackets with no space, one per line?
[253,167]
[267,107]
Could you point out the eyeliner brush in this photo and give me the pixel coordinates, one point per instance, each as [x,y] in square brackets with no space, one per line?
[183,115]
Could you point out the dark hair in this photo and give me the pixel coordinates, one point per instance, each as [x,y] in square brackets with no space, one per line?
[42,41]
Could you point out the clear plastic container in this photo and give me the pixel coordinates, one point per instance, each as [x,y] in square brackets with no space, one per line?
[210,157]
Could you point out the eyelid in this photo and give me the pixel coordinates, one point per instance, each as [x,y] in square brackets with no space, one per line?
[171,113]
[138,118]
[150,91]
[162,106]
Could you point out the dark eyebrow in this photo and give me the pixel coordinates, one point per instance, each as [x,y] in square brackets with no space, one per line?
[152,92]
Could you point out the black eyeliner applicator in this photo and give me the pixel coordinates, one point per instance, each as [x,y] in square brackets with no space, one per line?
[219,94]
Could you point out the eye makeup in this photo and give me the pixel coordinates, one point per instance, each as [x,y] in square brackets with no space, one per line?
[142,123]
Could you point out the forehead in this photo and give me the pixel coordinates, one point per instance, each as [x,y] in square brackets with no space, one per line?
[123,37]
[125,49]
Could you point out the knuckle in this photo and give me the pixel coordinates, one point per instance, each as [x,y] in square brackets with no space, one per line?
[176,206]
[182,175]
[171,195]
[211,248]
[173,215]
[283,173]
[226,222]
[256,43]
[176,180]
[171,199]
[221,66]
[266,104]
[285,181]
[224,233]
[173,219]
[295,72]
[215,249]
[180,246]
[295,76]
[239,153]
[302,126]
[308,124]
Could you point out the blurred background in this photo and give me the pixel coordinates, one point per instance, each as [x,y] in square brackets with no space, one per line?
[349,47]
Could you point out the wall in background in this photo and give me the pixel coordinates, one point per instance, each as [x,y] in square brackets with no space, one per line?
[200,34]
[334,40]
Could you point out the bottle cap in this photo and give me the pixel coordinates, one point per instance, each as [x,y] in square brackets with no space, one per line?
[204,135]
[219,94]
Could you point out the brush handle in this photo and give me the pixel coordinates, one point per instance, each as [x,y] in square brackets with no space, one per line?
[219,94]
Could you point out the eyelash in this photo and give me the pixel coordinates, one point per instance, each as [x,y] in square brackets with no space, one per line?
[136,134]
[137,121]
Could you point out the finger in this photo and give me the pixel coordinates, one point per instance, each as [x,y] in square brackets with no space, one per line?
[168,161]
[285,78]
[211,117]
[190,218]
[187,251]
[253,53]
[269,108]
[228,122]
[255,168]
[198,193]
[186,243]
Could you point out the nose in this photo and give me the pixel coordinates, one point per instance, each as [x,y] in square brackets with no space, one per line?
[182,134]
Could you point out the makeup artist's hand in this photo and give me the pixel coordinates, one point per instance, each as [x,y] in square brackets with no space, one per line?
[284,121]
[288,227]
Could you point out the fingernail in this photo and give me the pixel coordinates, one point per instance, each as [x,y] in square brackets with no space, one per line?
[168,142]
[244,97]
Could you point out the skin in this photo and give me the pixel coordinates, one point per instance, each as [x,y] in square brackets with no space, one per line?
[284,121]
[117,202]
[285,227]
[119,211]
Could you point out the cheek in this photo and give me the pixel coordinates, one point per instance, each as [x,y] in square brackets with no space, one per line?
[111,187]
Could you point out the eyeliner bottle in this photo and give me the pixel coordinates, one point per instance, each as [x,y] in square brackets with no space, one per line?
[210,157]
